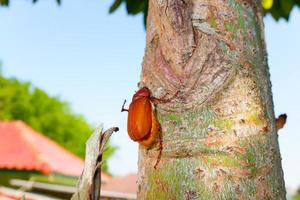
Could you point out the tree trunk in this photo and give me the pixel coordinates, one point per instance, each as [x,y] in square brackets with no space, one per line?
[219,136]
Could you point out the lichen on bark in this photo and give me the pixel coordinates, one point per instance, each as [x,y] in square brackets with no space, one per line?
[219,136]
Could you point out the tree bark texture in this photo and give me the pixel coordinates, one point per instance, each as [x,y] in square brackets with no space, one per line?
[219,136]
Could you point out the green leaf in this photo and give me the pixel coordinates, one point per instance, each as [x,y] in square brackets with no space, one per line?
[145,14]
[4,2]
[115,6]
[286,7]
[282,8]
[276,11]
[57,1]
[135,6]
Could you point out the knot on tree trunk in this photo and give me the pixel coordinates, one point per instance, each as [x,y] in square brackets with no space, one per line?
[196,47]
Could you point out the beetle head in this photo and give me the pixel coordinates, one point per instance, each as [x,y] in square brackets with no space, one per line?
[144,92]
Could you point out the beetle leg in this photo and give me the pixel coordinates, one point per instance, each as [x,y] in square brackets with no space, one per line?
[123,109]
[160,151]
[155,100]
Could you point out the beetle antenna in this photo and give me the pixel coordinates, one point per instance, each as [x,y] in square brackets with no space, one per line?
[123,109]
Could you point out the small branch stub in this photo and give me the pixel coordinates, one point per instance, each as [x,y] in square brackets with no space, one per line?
[280,121]
[89,183]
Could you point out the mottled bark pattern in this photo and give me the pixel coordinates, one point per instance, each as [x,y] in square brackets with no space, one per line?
[219,135]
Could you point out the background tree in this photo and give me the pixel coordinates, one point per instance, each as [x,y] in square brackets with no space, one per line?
[297,195]
[48,115]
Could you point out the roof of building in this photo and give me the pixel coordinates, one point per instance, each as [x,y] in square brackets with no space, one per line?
[122,184]
[23,148]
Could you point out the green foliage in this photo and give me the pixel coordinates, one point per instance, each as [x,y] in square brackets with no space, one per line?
[115,6]
[133,7]
[48,115]
[297,195]
[57,1]
[280,8]
[4,2]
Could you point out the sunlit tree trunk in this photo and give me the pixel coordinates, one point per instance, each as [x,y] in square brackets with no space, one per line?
[219,135]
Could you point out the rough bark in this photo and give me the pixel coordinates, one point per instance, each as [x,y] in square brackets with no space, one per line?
[219,135]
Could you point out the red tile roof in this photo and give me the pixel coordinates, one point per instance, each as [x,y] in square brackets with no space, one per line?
[23,148]
[123,184]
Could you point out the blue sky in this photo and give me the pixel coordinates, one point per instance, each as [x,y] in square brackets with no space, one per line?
[92,59]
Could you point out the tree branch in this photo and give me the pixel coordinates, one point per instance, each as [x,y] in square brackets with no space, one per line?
[89,183]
